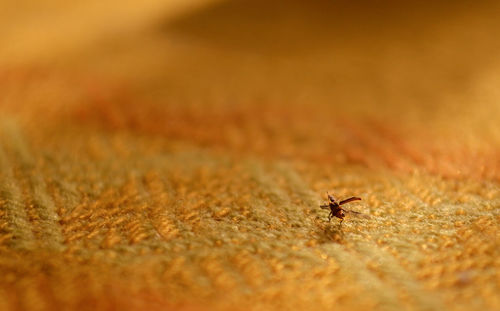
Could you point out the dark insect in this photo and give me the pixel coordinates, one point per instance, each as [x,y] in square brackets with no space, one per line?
[336,208]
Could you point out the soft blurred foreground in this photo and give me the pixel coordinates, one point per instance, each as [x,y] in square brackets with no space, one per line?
[173,155]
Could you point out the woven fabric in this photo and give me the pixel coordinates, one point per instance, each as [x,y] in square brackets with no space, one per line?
[174,157]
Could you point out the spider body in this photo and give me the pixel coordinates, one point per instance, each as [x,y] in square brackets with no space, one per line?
[336,209]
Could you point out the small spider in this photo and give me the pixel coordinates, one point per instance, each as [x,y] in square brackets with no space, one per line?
[336,209]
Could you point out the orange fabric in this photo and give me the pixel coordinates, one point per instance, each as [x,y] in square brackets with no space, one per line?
[174,157]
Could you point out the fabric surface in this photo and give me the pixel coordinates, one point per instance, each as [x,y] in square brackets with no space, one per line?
[173,156]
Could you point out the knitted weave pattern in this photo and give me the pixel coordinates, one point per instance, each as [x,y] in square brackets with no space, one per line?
[174,156]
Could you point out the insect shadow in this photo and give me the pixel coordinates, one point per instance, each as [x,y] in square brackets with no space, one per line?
[328,233]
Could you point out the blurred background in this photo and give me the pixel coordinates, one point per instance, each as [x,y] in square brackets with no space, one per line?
[202,114]
[283,78]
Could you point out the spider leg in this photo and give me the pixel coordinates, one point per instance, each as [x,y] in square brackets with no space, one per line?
[330,216]
[331,198]
[349,200]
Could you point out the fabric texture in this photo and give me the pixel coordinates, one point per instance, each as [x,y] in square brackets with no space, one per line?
[173,156]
